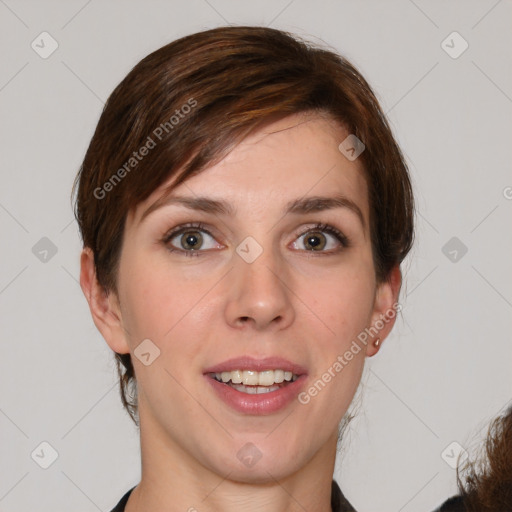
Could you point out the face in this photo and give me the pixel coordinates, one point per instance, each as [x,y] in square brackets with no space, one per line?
[257,275]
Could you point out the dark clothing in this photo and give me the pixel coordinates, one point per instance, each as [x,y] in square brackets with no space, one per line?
[338,502]
[453,504]
[122,502]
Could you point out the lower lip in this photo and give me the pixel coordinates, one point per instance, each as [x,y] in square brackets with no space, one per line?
[264,403]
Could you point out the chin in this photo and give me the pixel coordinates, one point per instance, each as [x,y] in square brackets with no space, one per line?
[261,473]
[258,461]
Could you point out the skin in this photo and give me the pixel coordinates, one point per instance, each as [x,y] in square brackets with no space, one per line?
[292,302]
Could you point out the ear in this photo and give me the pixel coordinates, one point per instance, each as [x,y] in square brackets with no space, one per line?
[105,307]
[385,310]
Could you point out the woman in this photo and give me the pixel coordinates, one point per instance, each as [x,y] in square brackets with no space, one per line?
[244,210]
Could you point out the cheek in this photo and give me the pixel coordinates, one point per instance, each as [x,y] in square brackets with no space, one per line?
[343,303]
[153,299]
[163,305]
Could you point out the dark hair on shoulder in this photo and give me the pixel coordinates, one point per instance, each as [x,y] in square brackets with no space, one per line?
[192,101]
[486,482]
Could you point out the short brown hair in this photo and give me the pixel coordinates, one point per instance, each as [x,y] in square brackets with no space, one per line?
[219,85]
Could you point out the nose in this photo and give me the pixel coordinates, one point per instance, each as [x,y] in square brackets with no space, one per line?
[259,294]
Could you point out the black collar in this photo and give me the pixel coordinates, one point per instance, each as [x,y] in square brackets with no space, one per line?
[338,502]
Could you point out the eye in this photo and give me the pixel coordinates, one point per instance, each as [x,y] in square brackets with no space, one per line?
[193,239]
[322,238]
[190,239]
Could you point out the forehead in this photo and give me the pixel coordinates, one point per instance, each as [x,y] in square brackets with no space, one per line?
[293,157]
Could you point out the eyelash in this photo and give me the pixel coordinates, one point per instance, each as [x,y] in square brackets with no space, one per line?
[345,242]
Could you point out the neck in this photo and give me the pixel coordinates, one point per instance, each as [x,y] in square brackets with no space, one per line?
[172,480]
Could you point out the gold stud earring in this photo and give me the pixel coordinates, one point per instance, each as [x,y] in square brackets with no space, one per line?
[376,343]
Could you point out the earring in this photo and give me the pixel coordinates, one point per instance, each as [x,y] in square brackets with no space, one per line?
[376,343]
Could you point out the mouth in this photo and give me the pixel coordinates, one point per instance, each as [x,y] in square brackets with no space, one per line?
[256,386]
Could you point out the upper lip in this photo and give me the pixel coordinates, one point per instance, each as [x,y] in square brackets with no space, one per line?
[259,365]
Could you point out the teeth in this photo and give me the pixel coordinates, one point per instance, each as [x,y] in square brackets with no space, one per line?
[255,390]
[250,378]
[236,377]
[253,378]
[278,376]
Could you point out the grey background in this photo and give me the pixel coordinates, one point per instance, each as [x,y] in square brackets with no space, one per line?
[445,370]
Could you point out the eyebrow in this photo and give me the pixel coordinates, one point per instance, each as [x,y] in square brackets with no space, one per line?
[299,206]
